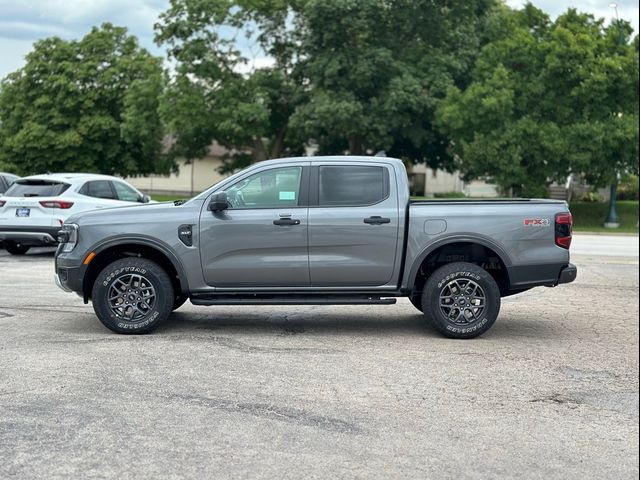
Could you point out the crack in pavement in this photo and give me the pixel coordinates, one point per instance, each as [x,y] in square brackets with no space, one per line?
[221,341]
[273,412]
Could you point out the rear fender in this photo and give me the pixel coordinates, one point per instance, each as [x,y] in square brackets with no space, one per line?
[412,274]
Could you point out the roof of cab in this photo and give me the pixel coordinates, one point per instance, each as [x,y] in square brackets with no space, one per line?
[330,158]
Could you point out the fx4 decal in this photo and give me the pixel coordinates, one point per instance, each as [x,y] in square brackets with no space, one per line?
[537,222]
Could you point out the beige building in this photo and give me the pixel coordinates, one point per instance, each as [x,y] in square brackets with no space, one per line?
[191,178]
[428,182]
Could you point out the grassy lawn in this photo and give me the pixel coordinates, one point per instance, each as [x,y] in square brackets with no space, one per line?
[168,198]
[589,216]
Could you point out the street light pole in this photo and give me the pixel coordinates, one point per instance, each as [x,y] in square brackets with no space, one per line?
[612,220]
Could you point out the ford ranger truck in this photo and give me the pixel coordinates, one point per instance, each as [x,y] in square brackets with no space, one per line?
[315,231]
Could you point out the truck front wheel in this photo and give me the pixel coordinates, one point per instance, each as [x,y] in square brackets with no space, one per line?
[462,300]
[132,295]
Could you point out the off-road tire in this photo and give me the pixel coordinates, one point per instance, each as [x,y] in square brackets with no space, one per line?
[16,248]
[462,277]
[132,280]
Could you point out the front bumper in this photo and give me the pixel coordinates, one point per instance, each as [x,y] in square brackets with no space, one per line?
[568,274]
[69,275]
[33,236]
[61,285]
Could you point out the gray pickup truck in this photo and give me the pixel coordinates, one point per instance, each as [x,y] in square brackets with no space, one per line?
[315,231]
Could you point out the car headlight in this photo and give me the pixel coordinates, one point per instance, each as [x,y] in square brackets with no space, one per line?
[68,237]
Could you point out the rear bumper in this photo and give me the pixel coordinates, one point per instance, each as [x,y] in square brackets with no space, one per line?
[35,236]
[568,274]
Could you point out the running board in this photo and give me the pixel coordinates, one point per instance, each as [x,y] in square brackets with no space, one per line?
[270,299]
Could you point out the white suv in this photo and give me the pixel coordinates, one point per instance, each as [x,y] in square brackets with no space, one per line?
[34,208]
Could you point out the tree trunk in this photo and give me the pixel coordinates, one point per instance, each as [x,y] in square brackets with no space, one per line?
[278,143]
[258,151]
[355,146]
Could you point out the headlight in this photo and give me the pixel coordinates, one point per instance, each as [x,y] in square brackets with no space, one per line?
[68,237]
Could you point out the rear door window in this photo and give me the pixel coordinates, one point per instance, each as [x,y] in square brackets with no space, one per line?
[352,185]
[98,189]
[36,188]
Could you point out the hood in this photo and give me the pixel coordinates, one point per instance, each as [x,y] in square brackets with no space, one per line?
[128,214]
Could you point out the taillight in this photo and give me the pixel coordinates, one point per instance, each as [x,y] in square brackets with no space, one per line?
[56,204]
[564,227]
[2,202]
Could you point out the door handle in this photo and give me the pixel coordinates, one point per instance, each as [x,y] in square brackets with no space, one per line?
[286,221]
[377,220]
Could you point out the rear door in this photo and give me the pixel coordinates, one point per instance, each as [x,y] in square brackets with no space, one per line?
[261,239]
[353,224]
[101,195]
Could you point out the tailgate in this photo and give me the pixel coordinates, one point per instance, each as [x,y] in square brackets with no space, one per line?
[25,203]
[25,212]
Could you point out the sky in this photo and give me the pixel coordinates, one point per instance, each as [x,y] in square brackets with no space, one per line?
[24,21]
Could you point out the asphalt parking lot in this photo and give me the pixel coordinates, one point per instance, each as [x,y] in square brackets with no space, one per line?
[551,391]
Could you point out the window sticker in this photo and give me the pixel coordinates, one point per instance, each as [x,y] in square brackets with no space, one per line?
[287,196]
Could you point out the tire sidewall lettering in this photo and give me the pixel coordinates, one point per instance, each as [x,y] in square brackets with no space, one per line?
[138,325]
[453,276]
[470,329]
[120,271]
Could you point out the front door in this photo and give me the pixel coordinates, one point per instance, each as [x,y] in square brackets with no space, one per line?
[261,240]
[353,225]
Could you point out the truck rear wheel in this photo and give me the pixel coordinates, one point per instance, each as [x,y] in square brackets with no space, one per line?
[132,295]
[462,300]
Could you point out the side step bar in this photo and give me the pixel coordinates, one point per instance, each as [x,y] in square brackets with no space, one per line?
[270,299]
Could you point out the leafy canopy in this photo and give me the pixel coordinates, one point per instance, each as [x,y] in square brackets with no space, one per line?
[547,99]
[86,105]
[220,91]
[348,75]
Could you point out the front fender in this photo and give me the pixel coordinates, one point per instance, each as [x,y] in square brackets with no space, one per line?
[150,242]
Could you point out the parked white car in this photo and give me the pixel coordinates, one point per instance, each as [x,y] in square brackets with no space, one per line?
[33,209]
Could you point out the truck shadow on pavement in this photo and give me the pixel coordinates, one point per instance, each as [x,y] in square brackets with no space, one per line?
[291,324]
[343,324]
[81,321]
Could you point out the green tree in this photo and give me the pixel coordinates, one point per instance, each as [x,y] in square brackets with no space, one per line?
[351,75]
[86,105]
[219,92]
[378,70]
[546,99]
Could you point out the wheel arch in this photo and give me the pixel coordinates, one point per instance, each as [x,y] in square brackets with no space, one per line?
[113,249]
[460,241]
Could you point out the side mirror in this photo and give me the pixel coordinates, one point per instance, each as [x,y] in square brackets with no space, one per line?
[145,199]
[219,202]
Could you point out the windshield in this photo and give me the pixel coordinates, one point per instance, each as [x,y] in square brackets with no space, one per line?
[36,188]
